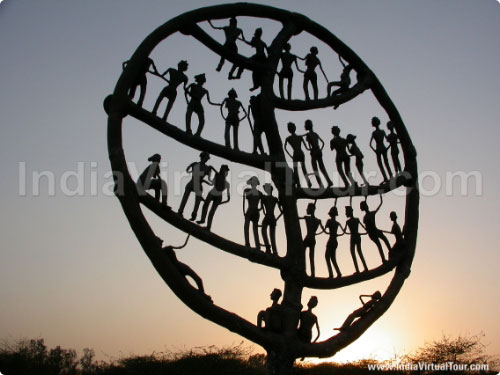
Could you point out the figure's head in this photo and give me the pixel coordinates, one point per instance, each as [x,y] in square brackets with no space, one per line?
[390,125]
[313,302]
[333,211]
[348,211]
[287,47]
[311,208]
[182,65]
[232,94]
[375,122]
[258,32]
[275,295]
[350,138]
[233,21]
[200,78]
[253,181]
[376,296]
[268,188]
[224,169]
[363,206]
[156,158]
[291,127]
[335,130]
[314,50]
[204,156]
[308,125]
[393,215]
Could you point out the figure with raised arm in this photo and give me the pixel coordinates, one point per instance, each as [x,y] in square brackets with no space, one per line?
[251,200]
[286,73]
[310,76]
[150,180]
[393,140]
[308,321]
[312,225]
[214,196]
[342,161]
[232,32]
[232,118]
[315,145]
[343,84]
[353,225]
[269,204]
[363,310]
[378,136]
[175,78]
[258,123]
[141,79]
[354,150]
[298,158]
[259,57]
[373,232]
[271,319]
[194,94]
[331,227]
[199,170]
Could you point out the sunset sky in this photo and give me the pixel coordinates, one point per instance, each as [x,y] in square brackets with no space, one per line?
[71,270]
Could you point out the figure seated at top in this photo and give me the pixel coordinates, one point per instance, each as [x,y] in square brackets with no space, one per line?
[150,180]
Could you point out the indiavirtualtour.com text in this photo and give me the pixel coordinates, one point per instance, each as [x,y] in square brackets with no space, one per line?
[424,366]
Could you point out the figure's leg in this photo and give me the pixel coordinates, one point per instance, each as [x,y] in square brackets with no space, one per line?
[256,234]
[314,164]
[189,114]
[381,166]
[281,86]
[353,255]
[386,162]
[204,208]
[187,190]
[158,102]
[359,166]
[164,192]
[306,89]
[227,129]
[272,229]
[334,261]
[247,230]
[340,170]
[221,63]
[385,240]
[197,200]
[170,104]
[296,174]
[239,73]
[395,161]
[360,252]
[235,136]
[211,214]
[231,72]
[328,256]
[201,118]
[142,92]
[263,230]
[315,88]
[347,166]
[289,87]
[306,175]
[311,260]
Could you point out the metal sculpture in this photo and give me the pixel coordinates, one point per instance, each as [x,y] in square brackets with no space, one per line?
[283,330]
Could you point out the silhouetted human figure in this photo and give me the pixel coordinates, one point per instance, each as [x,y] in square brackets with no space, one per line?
[258,123]
[233,117]
[342,161]
[141,79]
[343,84]
[310,76]
[298,158]
[315,145]
[214,196]
[232,32]
[331,227]
[198,171]
[396,231]
[184,269]
[378,136]
[269,203]
[393,140]
[175,78]
[150,180]
[353,224]
[271,319]
[259,57]
[286,73]
[252,198]
[312,225]
[363,310]
[196,92]
[374,233]
[354,150]
[307,322]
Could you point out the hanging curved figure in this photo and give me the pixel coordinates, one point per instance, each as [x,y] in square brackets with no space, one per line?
[268,205]
[354,150]
[298,158]
[252,198]
[233,119]
[196,92]
[343,84]
[363,310]
[353,224]
[214,196]
[312,225]
[342,161]
[259,57]
[315,145]
[286,73]
[175,78]
[141,79]
[150,179]
[331,227]
[378,136]
[312,61]
[393,140]
[374,233]
[232,32]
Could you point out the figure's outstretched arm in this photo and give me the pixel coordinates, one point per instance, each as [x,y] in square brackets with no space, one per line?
[213,26]
[286,149]
[380,204]
[211,102]
[317,329]
[371,144]
[244,111]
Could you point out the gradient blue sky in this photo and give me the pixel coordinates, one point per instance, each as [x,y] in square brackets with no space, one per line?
[71,270]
